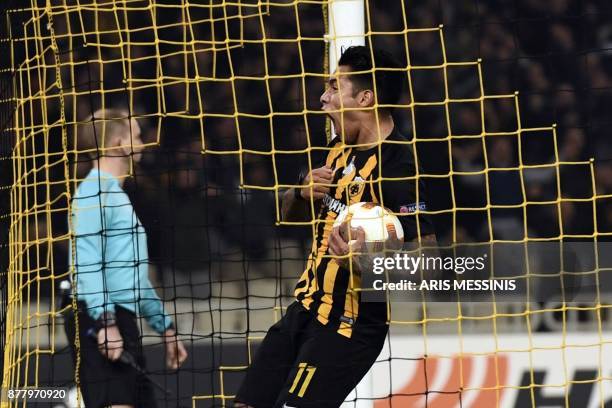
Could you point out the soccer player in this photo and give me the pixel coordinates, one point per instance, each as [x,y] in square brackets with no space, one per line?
[328,339]
[113,287]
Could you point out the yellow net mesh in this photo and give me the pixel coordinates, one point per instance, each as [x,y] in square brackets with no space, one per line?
[242,80]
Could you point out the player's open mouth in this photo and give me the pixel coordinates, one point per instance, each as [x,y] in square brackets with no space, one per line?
[328,114]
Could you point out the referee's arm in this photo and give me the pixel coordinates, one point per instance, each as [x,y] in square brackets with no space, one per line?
[151,306]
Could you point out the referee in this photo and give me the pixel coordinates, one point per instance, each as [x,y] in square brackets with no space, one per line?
[111,264]
[328,338]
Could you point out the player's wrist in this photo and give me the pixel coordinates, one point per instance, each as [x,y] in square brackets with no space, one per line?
[298,190]
[170,331]
[106,320]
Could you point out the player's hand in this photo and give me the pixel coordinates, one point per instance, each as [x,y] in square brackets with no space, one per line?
[321,177]
[176,353]
[110,342]
[342,242]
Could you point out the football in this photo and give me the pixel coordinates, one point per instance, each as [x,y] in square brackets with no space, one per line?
[383,230]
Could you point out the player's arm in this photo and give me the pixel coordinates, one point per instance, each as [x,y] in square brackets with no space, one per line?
[294,208]
[296,205]
[406,196]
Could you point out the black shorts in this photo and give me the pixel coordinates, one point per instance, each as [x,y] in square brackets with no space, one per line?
[104,382]
[302,363]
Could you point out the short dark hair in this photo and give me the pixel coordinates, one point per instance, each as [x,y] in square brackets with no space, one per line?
[389,83]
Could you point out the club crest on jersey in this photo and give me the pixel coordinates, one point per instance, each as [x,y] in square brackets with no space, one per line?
[411,208]
[356,187]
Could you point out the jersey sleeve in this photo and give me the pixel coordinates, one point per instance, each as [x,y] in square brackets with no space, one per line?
[151,306]
[89,220]
[399,192]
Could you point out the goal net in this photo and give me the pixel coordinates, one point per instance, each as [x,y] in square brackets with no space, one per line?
[504,108]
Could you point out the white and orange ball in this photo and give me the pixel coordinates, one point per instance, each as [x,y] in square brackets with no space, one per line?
[383,230]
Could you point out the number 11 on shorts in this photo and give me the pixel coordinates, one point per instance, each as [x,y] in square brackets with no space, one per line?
[310,370]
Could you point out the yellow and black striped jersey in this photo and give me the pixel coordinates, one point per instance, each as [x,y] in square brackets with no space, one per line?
[384,174]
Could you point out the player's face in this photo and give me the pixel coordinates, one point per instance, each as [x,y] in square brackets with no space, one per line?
[340,103]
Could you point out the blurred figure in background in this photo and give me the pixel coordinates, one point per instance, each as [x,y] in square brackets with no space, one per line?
[111,270]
